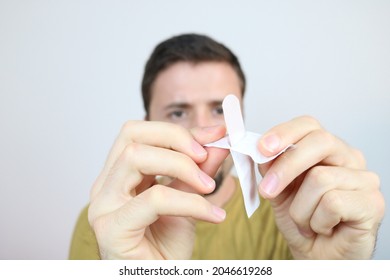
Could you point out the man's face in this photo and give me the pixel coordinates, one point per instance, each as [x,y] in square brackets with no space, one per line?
[191,95]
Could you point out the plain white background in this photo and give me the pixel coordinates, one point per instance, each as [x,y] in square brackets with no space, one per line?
[70,77]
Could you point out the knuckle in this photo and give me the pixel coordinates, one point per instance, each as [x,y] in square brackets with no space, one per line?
[310,120]
[331,203]
[319,176]
[359,157]
[381,206]
[375,180]
[128,126]
[99,226]
[98,220]
[325,137]
[156,194]
[130,152]
[95,188]
[296,216]
[376,196]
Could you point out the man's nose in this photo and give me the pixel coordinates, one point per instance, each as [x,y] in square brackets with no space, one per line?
[204,119]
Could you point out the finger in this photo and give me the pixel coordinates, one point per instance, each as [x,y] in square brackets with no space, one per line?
[282,135]
[322,179]
[139,160]
[159,134]
[215,156]
[354,209]
[318,147]
[160,200]
[214,160]
[172,136]
[166,135]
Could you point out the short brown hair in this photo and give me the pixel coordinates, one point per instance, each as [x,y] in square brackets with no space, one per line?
[187,47]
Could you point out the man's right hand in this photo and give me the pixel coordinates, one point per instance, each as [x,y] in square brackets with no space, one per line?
[132,215]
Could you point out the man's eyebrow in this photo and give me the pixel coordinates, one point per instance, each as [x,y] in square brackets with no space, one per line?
[176,105]
[216,103]
[184,105]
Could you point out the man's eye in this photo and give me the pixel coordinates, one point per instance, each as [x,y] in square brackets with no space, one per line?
[177,114]
[218,110]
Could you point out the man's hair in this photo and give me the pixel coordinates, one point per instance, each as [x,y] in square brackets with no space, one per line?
[192,48]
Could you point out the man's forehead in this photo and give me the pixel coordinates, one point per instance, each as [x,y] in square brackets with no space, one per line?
[190,82]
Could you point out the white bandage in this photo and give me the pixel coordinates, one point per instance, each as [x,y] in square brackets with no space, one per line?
[244,151]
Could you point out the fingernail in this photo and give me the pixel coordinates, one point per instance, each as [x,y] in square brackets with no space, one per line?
[198,149]
[207,180]
[269,184]
[219,213]
[271,143]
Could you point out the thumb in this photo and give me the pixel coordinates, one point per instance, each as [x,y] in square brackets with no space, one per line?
[215,156]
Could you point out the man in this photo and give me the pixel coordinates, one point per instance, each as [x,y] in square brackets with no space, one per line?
[156,197]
